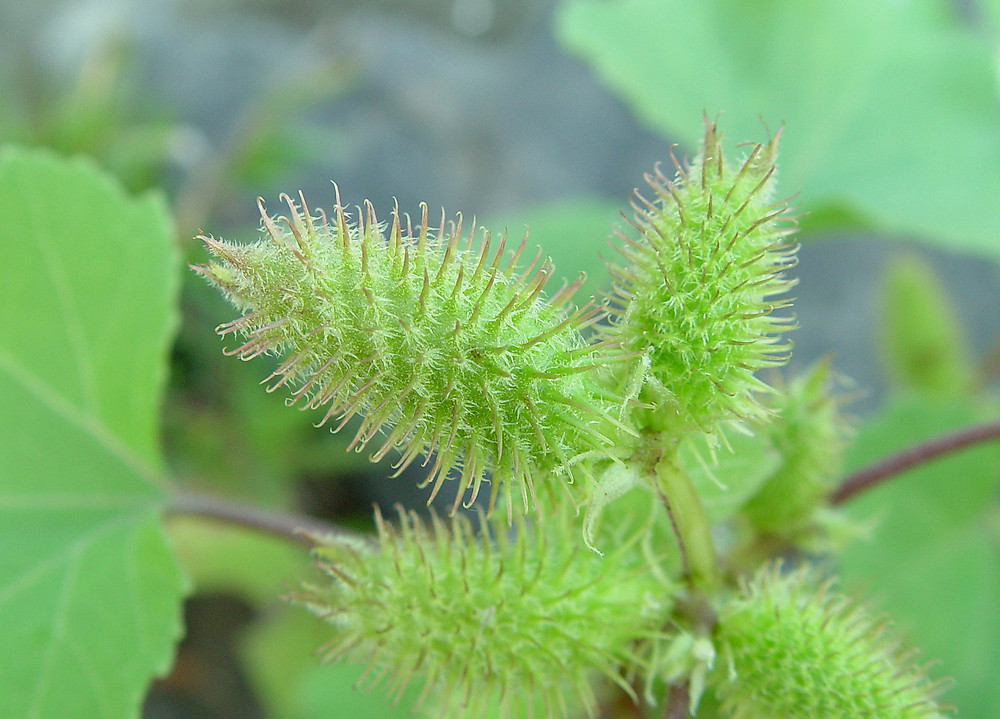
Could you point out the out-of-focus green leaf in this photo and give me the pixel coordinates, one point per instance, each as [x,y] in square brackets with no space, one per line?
[295,685]
[89,588]
[931,561]
[728,480]
[890,108]
[223,558]
[574,234]
[991,10]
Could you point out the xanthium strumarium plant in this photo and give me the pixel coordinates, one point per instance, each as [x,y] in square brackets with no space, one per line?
[444,344]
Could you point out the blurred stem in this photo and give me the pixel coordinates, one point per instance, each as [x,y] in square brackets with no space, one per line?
[620,705]
[687,516]
[922,453]
[678,701]
[297,528]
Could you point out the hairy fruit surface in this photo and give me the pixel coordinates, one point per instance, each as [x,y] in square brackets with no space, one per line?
[696,289]
[799,652]
[519,621]
[439,340]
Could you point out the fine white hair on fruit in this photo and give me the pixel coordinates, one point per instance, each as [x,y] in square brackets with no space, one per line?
[436,337]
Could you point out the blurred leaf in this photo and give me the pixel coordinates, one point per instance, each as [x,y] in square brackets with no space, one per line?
[272,136]
[89,589]
[103,111]
[281,656]
[268,136]
[726,482]
[991,10]
[227,559]
[270,154]
[890,108]
[574,234]
[931,562]
[330,693]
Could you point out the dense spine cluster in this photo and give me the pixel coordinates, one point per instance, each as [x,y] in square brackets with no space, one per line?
[445,344]
[521,623]
[696,286]
[799,652]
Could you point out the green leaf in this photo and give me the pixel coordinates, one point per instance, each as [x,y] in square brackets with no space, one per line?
[930,560]
[280,655]
[889,107]
[991,10]
[727,477]
[224,558]
[89,589]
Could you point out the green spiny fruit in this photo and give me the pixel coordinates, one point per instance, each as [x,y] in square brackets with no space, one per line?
[518,621]
[799,652]
[810,433]
[448,347]
[696,286]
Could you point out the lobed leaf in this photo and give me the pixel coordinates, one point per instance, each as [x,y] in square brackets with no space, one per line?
[89,588]
[904,85]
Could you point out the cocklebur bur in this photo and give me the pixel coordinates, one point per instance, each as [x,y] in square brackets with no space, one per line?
[802,651]
[490,618]
[697,286]
[809,433]
[446,346]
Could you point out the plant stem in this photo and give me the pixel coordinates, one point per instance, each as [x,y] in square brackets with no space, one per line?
[676,705]
[914,456]
[689,521]
[297,528]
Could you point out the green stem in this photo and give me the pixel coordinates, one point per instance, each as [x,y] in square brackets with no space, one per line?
[687,515]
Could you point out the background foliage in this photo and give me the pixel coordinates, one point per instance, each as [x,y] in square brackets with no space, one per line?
[891,133]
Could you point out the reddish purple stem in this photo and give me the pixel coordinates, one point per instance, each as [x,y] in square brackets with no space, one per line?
[912,457]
